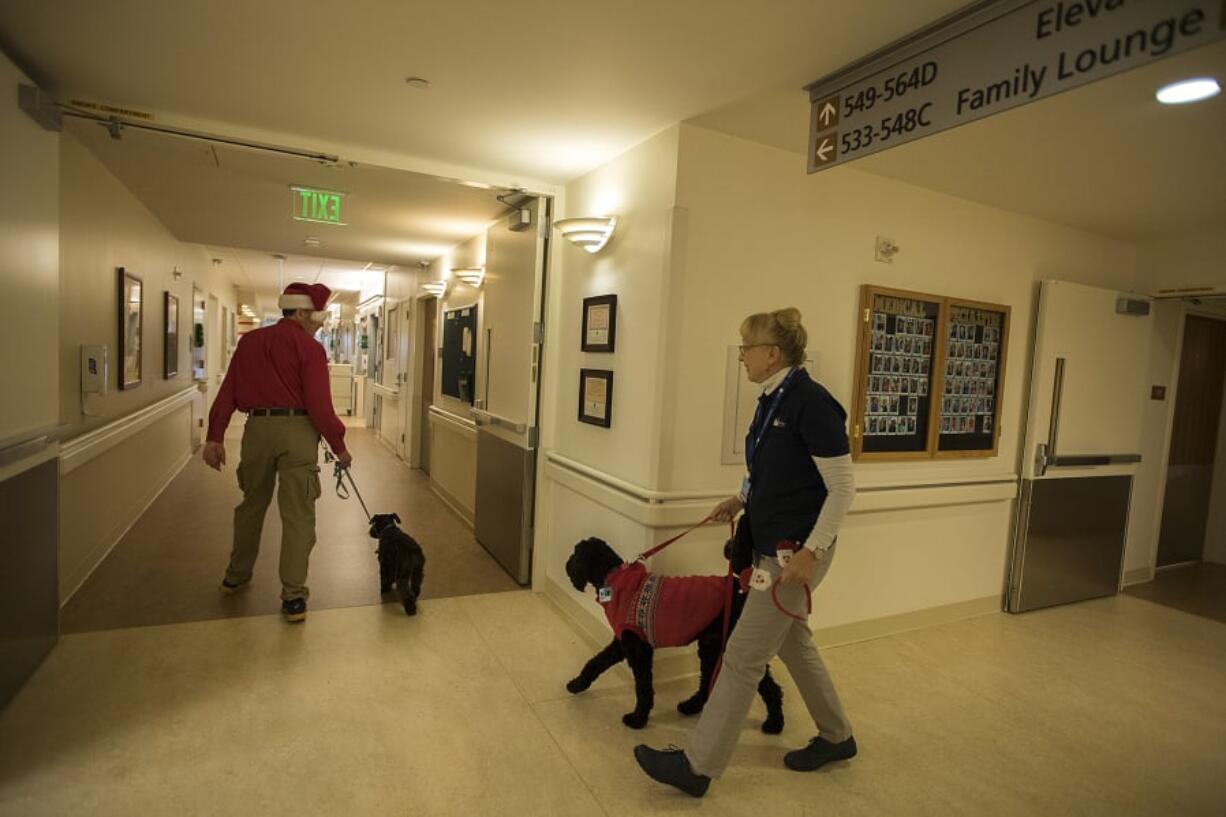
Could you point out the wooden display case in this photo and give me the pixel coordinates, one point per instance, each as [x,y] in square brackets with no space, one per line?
[929,375]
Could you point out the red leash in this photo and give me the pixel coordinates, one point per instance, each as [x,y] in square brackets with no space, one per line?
[647,554]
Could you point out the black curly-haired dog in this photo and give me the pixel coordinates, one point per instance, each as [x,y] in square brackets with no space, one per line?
[592,563]
[401,560]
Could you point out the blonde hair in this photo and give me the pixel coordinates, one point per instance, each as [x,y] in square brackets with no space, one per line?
[780,328]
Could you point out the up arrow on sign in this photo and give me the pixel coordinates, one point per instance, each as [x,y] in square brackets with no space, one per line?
[829,114]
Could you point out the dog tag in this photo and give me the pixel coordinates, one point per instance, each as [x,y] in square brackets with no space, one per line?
[604,595]
[760,580]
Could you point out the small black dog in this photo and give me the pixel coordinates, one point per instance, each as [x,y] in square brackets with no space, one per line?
[401,560]
[591,563]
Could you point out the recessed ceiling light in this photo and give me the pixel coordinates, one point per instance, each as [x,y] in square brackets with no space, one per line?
[1188,90]
[420,83]
[311,241]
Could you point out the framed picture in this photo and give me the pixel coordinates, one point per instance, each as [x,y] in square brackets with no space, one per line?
[596,397]
[131,326]
[599,323]
[170,336]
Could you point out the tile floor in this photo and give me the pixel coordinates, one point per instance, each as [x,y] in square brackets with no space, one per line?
[1111,707]
[166,569]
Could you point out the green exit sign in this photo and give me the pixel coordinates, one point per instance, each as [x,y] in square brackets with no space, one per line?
[320,206]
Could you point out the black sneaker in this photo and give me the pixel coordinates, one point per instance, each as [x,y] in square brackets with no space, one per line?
[818,753]
[294,609]
[229,588]
[671,766]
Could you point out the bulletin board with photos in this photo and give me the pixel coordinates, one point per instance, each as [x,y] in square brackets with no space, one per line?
[976,337]
[897,366]
[928,374]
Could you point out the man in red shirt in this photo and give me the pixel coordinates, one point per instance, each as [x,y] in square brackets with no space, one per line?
[279,378]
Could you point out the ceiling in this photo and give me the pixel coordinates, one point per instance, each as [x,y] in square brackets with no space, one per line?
[1106,157]
[209,193]
[224,196]
[550,91]
[261,275]
[545,90]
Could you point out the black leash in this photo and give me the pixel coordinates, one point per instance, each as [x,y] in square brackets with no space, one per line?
[340,472]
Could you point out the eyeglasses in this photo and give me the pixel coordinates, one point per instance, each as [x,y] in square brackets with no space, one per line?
[745,346]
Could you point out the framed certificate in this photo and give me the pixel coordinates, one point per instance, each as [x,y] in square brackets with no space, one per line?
[599,323]
[596,397]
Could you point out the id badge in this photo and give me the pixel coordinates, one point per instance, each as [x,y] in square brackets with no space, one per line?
[760,580]
[745,483]
[604,595]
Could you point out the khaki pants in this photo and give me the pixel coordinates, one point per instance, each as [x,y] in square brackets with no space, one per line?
[284,451]
[762,633]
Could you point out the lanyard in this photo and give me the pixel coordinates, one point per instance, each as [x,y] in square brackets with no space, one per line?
[754,445]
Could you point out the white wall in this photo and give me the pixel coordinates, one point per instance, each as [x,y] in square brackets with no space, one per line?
[743,230]
[104,487]
[104,226]
[29,266]
[639,187]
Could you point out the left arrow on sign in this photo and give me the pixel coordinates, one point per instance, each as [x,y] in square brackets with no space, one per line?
[827,149]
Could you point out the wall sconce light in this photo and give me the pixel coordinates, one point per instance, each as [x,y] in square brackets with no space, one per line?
[435,288]
[590,233]
[473,276]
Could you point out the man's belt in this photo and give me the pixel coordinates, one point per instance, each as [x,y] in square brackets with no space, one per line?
[277,412]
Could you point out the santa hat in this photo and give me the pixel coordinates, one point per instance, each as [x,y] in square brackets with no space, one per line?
[305,296]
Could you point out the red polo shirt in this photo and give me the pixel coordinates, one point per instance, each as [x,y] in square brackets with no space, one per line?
[278,366]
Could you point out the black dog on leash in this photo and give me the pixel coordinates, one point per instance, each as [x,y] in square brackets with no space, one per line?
[401,560]
[639,627]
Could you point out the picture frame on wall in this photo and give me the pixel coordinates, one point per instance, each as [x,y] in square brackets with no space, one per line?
[170,336]
[599,323]
[596,397]
[131,327]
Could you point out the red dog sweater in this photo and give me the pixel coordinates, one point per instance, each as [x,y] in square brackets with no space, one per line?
[664,611]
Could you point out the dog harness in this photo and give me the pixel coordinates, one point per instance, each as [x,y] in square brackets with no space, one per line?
[664,611]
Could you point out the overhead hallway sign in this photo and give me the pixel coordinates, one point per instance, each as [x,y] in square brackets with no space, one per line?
[990,57]
[320,206]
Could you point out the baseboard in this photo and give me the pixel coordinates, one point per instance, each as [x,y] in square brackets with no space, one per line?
[99,554]
[1139,575]
[682,662]
[453,503]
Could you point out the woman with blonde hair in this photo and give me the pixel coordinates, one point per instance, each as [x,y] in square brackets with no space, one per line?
[796,491]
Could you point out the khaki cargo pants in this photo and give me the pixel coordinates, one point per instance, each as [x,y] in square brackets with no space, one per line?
[761,634]
[281,451]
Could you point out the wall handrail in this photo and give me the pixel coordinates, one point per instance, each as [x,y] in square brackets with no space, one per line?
[635,491]
[29,443]
[84,447]
[655,497]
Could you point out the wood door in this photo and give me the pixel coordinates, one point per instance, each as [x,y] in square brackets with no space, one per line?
[1194,436]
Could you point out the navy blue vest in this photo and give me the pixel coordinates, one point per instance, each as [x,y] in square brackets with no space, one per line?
[787,492]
